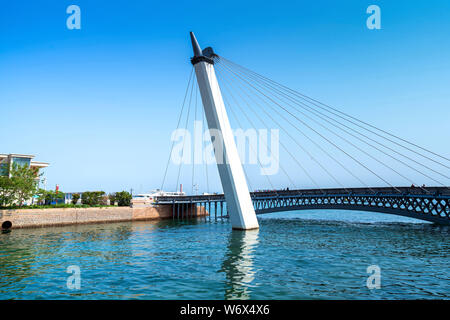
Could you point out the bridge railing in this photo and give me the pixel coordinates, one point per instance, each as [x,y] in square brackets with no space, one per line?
[398,191]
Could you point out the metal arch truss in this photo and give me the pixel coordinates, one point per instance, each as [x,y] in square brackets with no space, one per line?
[429,208]
[433,206]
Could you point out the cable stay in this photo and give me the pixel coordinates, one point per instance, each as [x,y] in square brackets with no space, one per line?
[341,114]
[178,126]
[283,145]
[250,96]
[193,150]
[184,138]
[280,95]
[203,154]
[250,146]
[321,116]
[302,147]
[253,126]
[349,142]
[315,131]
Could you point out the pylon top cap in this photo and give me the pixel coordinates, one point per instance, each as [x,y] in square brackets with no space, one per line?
[200,55]
[195,46]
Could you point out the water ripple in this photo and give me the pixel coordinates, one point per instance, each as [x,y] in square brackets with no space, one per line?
[292,256]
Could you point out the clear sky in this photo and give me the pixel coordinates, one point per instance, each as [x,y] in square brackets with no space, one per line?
[100,103]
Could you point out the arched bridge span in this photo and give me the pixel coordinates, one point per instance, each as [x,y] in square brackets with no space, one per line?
[428,204]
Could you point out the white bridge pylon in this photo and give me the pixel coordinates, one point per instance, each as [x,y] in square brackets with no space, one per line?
[239,203]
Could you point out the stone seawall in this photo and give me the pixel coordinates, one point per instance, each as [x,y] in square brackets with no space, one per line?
[29,218]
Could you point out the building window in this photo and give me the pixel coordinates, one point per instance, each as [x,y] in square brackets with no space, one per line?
[4,169]
[22,161]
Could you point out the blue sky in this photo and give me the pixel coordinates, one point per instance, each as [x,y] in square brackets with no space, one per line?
[100,103]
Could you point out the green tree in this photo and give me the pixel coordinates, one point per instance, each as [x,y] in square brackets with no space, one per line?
[86,198]
[41,193]
[123,198]
[6,192]
[24,182]
[92,198]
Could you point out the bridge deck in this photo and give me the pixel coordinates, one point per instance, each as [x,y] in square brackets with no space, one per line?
[429,204]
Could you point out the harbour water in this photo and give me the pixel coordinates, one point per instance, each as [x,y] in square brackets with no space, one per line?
[296,255]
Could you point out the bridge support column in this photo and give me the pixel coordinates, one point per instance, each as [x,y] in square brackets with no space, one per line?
[173,209]
[241,211]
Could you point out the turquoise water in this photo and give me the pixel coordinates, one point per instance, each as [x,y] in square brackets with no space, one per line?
[298,255]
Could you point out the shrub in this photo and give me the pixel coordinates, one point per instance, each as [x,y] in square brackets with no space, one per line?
[123,198]
[75,198]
